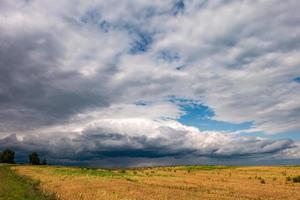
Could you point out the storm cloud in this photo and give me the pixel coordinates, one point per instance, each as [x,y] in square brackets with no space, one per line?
[141,138]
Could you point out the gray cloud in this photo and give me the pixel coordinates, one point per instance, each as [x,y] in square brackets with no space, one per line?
[151,140]
[75,64]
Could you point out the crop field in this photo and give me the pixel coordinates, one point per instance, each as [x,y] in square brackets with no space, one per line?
[164,183]
[14,187]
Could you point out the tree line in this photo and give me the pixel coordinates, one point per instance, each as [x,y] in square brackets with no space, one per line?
[8,156]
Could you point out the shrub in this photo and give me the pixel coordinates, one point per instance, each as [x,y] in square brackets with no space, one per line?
[296,179]
[262,181]
[44,162]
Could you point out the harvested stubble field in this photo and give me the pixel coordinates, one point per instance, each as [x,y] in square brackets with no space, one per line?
[163,183]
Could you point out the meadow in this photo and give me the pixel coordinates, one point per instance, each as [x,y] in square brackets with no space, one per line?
[165,183]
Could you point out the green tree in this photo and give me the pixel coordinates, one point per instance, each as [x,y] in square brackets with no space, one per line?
[34,158]
[7,156]
[44,161]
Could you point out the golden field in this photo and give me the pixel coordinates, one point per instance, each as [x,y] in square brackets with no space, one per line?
[166,183]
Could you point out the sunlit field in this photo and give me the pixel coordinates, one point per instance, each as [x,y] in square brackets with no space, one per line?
[162,183]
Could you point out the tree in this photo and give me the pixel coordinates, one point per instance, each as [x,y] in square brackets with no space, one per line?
[44,161]
[7,156]
[34,158]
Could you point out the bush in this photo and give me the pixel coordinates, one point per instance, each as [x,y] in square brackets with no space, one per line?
[44,162]
[296,179]
[7,156]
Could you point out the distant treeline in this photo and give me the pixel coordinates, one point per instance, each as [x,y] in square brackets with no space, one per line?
[8,156]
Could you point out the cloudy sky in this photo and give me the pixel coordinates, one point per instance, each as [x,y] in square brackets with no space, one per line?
[138,82]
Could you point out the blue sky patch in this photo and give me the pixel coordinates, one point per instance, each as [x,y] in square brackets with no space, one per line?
[297,79]
[178,7]
[141,41]
[93,17]
[141,44]
[104,26]
[201,116]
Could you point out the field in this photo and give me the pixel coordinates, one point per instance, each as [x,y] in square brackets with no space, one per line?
[164,183]
[14,187]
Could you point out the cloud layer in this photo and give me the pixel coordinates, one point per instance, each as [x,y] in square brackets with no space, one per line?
[142,138]
[94,78]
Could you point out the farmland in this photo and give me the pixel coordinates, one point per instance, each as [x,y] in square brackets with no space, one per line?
[163,183]
[14,187]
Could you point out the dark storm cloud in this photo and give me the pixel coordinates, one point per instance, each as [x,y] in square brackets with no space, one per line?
[34,89]
[24,74]
[102,144]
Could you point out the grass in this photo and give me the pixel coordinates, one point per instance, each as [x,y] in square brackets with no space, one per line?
[203,167]
[164,183]
[94,172]
[15,187]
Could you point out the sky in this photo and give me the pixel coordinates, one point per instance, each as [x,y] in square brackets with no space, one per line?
[138,82]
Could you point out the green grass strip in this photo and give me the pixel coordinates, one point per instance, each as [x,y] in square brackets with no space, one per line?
[15,187]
